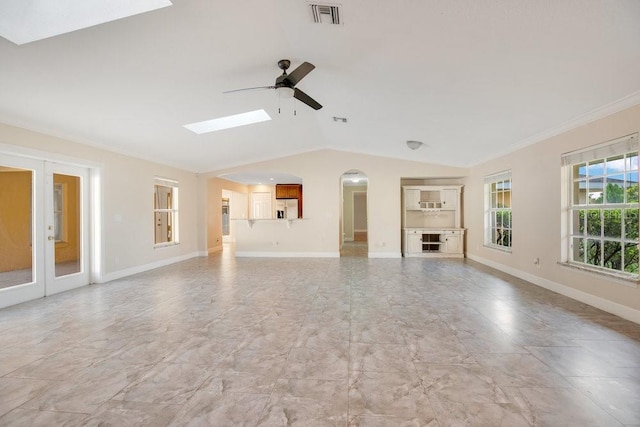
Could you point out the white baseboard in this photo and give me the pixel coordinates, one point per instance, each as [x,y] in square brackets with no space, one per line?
[385,255]
[595,301]
[348,239]
[142,268]
[288,254]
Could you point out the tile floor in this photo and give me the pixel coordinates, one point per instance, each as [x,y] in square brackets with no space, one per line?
[311,342]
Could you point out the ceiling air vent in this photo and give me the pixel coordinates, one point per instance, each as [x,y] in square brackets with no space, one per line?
[326,13]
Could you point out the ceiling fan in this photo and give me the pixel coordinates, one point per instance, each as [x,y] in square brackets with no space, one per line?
[285,83]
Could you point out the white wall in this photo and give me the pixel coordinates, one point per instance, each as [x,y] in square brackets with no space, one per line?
[127,198]
[320,171]
[537,216]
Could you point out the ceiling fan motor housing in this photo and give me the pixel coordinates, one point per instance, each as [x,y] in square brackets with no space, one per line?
[284,64]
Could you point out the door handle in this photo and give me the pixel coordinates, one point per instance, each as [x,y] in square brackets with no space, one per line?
[50,237]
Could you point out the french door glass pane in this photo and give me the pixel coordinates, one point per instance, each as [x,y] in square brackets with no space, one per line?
[16,228]
[67,224]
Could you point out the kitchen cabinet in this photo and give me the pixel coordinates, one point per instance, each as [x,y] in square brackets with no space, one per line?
[290,191]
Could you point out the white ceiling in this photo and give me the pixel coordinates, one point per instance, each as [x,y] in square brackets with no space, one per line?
[470,78]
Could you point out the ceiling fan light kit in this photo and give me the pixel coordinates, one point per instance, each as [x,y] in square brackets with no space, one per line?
[286,92]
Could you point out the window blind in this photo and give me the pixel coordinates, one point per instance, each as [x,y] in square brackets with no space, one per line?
[612,148]
[166,182]
[500,176]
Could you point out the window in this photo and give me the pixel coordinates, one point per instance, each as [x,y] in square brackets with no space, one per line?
[498,231]
[165,203]
[603,206]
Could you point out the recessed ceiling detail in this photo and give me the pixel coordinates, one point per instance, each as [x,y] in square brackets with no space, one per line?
[28,21]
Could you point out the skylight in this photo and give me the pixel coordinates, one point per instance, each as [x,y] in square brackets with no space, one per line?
[27,21]
[228,122]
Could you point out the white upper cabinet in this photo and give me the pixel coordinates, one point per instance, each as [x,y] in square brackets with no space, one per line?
[449,198]
[412,199]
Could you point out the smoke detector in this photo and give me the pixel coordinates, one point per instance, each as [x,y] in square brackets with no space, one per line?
[326,13]
[414,145]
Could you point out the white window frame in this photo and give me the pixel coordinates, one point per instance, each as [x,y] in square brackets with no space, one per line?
[580,210]
[172,210]
[504,180]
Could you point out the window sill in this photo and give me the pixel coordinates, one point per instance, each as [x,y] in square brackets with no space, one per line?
[504,249]
[165,245]
[619,278]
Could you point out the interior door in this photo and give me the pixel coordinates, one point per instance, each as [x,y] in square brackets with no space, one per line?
[21,220]
[44,239]
[261,205]
[67,221]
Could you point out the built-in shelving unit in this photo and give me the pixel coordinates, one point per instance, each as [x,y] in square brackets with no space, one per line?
[431,221]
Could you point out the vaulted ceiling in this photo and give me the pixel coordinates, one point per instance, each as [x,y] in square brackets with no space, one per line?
[471,79]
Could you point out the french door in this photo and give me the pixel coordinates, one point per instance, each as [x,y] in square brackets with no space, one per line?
[44,220]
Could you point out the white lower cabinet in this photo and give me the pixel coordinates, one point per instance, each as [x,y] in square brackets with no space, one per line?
[433,243]
[414,242]
[452,242]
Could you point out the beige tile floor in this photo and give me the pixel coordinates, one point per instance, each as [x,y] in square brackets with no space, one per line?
[311,342]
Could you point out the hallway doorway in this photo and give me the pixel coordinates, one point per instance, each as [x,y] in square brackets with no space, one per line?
[354,217]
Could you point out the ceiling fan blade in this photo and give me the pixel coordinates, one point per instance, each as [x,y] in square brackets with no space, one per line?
[250,88]
[303,97]
[298,74]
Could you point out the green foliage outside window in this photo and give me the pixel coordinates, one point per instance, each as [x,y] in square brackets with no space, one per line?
[605,241]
